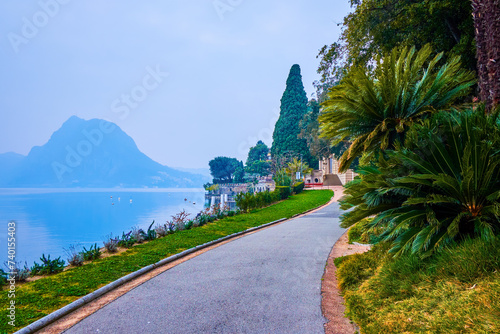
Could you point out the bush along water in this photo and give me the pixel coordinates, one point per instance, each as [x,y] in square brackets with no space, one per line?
[111,244]
[92,253]
[75,258]
[14,271]
[47,266]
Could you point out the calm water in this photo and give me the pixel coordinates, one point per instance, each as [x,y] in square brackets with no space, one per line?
[49,220]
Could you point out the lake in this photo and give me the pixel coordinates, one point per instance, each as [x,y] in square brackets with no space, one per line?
[50,220]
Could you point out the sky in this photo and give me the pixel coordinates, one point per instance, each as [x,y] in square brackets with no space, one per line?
[187,80]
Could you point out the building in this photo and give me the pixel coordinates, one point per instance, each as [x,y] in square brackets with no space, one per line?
[328,174]
[225,193]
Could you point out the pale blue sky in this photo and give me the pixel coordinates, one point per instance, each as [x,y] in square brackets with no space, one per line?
[226,66]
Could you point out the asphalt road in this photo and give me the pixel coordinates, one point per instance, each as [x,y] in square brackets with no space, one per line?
[266,282]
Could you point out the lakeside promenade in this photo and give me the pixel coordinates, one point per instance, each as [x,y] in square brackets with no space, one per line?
[265,282]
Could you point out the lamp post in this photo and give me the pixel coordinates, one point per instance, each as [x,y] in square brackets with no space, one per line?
[301,165]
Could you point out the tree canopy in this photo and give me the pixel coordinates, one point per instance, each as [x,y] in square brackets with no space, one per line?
[430,173]
[375,27]
[309,130]
[257,153]
[226,170]
[293,109]
[375,112]
[260,167]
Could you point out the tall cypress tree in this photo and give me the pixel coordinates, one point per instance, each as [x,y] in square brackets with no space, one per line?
[293,109]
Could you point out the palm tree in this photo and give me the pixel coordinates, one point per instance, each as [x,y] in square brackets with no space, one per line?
[486,15]
[375,113]
[444,186]
[297,165]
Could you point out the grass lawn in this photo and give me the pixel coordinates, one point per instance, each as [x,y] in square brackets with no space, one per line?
[454,291]
[37,299]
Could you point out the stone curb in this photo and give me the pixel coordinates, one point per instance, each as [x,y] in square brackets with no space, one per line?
[56,315]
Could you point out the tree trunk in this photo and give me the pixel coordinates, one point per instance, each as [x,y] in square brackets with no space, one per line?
[486,15]
[453,30]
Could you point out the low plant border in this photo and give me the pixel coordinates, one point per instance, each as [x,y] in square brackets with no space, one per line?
[56,315]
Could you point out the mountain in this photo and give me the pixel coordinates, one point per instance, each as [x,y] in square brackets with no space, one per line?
[9,162]
[93,153]
[200,171]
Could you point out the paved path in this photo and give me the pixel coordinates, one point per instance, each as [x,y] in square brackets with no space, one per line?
[266,282]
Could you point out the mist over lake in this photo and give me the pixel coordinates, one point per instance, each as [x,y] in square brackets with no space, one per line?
[49,220]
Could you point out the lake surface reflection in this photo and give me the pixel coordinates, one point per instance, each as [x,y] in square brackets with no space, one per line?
[50,220]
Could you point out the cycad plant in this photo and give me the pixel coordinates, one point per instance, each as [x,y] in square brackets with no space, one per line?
[375,112]
[442,187]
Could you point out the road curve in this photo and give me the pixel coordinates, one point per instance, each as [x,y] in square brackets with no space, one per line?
[265,282]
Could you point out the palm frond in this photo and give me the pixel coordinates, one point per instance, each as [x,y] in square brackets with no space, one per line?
[407,86]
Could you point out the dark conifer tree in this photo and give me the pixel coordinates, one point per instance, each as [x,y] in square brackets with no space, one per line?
[257,153]
[293,109]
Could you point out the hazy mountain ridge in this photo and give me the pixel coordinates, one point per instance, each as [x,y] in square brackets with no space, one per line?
[200,171]
[93,153]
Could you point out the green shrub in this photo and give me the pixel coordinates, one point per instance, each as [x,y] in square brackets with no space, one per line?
[261,199]
[439,189]
[249,201]
[150,234]
[48,266]
[111,244]
[203,219]
[75,258]
[360,232]
[355,232]
[127,240]
[338,260]
[92,253]
[137,234]
[276,196]
[284,191]
[298,187]
[17,271]
[282,179]
[3,277]
[241,201]
[189,224]
[354,270]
